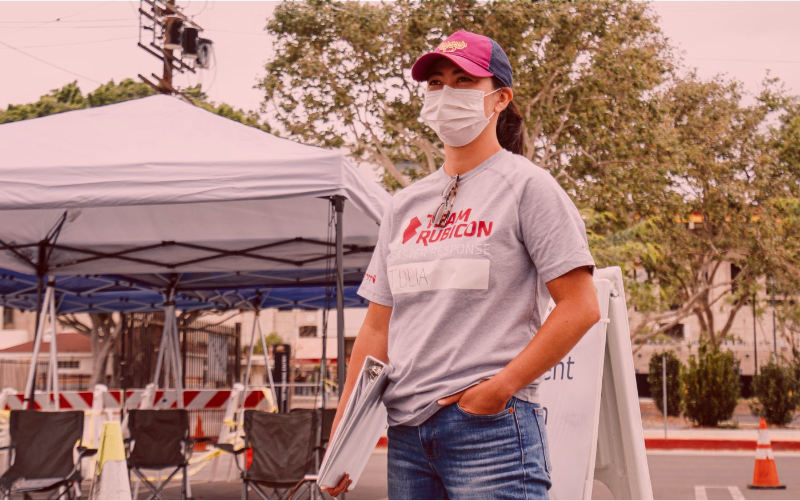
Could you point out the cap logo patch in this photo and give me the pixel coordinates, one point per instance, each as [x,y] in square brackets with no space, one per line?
[451,46]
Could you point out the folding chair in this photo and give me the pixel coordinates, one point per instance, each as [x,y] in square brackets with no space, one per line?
[283,448]
[42,445]
[328,416]
[159,440]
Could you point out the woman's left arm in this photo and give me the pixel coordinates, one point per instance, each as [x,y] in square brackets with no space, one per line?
[576,311]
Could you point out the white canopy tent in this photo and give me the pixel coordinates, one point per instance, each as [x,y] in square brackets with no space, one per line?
[162,195]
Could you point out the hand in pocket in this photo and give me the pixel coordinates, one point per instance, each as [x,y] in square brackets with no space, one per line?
[482,398]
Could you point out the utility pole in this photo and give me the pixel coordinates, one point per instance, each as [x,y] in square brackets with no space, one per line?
[755,340]
[774,336]
[171,30]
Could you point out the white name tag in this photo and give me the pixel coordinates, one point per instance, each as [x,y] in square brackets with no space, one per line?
[441,274]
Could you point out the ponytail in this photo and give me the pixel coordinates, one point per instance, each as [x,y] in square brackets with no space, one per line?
[509,126]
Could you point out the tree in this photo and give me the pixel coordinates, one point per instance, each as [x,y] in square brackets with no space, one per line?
[776,393]
[271,339]
[784,206]
[583,71]
[711,383]
[722,207]
[656,381]
[70,98]
[103,331]
[67,98]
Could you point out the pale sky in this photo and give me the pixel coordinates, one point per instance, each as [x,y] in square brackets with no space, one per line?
[97,40]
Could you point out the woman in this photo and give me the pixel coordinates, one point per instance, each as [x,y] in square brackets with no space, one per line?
[466,262]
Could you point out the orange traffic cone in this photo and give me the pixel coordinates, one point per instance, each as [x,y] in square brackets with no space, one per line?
[765,475]
[198,432]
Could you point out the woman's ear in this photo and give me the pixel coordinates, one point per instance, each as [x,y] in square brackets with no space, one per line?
[504,98]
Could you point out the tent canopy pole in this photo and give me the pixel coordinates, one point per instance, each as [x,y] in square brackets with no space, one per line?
[41,270]
[30,387]
[338,202]
[52,369]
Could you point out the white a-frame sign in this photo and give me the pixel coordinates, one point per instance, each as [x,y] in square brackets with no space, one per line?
[591,407]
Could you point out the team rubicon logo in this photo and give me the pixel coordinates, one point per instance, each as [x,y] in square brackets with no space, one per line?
[457,226]
[411,229]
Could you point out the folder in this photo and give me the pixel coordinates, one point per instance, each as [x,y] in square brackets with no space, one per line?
[363,421]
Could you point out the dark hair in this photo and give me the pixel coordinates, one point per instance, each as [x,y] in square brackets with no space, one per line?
[509,125]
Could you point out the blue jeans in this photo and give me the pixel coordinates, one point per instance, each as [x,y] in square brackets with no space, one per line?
[458,455]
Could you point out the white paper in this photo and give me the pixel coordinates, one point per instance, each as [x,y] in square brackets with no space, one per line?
[363,421]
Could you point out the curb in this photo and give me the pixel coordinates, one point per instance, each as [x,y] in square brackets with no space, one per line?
[693,444]
[718,445]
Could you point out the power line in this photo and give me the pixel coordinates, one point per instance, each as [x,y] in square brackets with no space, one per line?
[81,27]
[240,32]
[62,17]
[701,8]
[74,43]
[205,6]
[744,60]
[49,63]
[60,20]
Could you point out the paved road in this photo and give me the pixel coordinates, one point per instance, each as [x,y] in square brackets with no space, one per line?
[673,475]
[677,476]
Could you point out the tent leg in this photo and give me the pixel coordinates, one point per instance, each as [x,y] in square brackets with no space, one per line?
[30,386]
[338,202]
[246,380]
[323,365]
[167,352]
[266,365]
[173,365]
[176,357]
[161,347]
[53,370]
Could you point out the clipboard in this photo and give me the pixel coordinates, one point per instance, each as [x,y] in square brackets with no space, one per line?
[363,421]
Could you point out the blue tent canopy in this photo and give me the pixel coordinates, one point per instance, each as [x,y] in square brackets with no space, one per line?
[193,291]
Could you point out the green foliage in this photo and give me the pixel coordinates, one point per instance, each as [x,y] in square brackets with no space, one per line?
[776,393]
[655,380]
[70,98]
[272,338]
[711,386]
[730,202]
[583,72]
[111,93]
[67,98]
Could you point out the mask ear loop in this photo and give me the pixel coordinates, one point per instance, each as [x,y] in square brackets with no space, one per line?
[489,94]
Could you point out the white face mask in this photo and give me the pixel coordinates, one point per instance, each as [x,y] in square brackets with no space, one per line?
[457,115]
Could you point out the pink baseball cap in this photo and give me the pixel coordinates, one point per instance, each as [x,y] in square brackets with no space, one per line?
[476,54]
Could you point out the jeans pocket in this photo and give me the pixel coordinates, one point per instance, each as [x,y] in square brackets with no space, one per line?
[543,437]
[507,410]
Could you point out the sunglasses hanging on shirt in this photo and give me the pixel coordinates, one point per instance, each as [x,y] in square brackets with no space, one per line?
[443,212]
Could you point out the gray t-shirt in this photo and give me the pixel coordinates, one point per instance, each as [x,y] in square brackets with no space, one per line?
[469,297]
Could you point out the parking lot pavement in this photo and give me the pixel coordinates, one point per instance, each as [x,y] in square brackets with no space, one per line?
[674,475]
[717,475]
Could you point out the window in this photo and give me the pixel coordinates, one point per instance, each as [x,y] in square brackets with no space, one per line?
[735,270]
[308,331]
[675,332]
[8,318]
[69,364]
